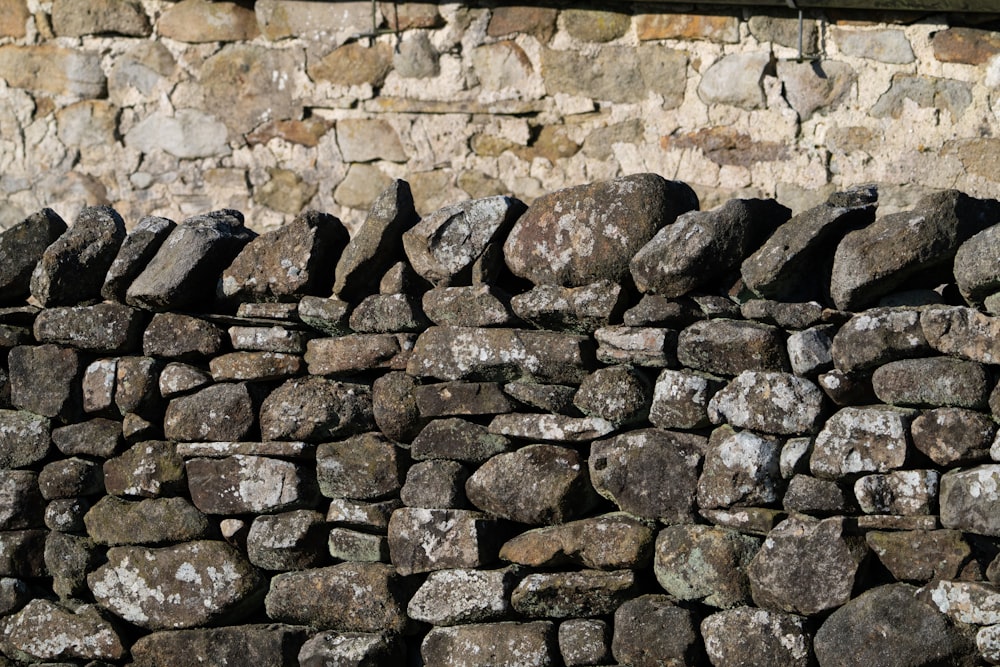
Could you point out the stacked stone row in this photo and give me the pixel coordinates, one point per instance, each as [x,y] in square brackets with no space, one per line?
[608,428]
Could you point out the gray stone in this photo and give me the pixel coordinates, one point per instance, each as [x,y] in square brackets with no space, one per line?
[972,602]
[46,631]
[928,92]
[24,438]
[123,18]
[783,28]
[651,630]
[537,484]
[962,332]
[453,597]
[22,553]
[268,339]
[581,309]
[584,641]
[901,492]
[474,306]
[366,140]
[70,478]
[355,546]
[705,564]
[673,262]
[569,594]
[383,313]
[617,74]
[920,555]
[72,268]
[810,351]
[510,644]
[975,274]
[425,540]
[54,70]
[415,57]
[187,134]
[97,437]
[806,566]
[932,382]
[969,499]
[352,649]
[655,310]
[600,143]
[356,353]
[785,315]
[860,440]
[21,247]
[649,473]
[619,394]
[652,347]
[435,484]
[607,542]
[889,626]
[817,497]
[287,541]
[372,516]
[878,336]
[394,407]
[555,398]
[778,403]
[459,440]
[729,347]
[812,86]
[44,380]
[255,366]
[765,638]
[21,502]
[271,644]
[887,46]
[107,328]
[147,469]
[364,467]
[222,413]
[735,80]
[243,484]
[449,399]
[588,233]
[740,469]
[315,409]
[950,436]
[114,522]
[181,586]
[68,559]
[182,337]
[680,399]
[14,594]
[326,315]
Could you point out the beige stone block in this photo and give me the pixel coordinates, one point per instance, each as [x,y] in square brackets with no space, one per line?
[14,15]
[53,69]
[204,21]
[76,18]
[724,29]
[363,140]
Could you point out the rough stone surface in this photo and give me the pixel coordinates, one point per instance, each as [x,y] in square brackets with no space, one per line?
[272,644]
[918,555]
[705,564]
[457,596]
[22,246]
[148,469]
[222,412]
[248,484]
[44,630]
[608,542]
[953,435]
[569,594]
[968,499]
[766,638]
[877,336]
[651,630]
[114,521]
[314,409]
[778,403]
[108,328]
[366,466]
[463,540]
[514,644]
[24,438]
[740,468]
[43,380]
[729,347]
[932,382]
[287,541]
[858,440]
[459,440]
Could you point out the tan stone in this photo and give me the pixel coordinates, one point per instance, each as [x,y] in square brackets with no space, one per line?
[87,123]
[852,138]
[552,143]
[303,132]
[362,185]
[501,65]
[965,45]
[363,140]
[285,192]
[591,25]
[979,156]
[76,18]
[53,69]
[489,145]
[204,21]
[724,29]
[434,189]
[724,145]
[410,15]
[539,22]
[14,15]
[279,19]
[354,65]
[478,185]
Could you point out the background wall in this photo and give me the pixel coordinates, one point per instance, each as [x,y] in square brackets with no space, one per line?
[174,108]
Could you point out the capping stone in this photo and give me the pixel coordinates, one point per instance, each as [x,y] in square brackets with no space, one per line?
[21,247]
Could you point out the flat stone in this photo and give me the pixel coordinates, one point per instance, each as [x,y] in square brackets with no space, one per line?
[314,409]
[962,332]
[21,247]
[222,412]
[364,467]
[887,46]
[179,378]
[267,339]
[513,644]
[719,29]
[765,638]
[565,239]
[651,629]
[778,403]
[705,564]
[24,438]
[362,515]
[355,546]
[358,352]
[572,594]
[782,27]
[326,315]
[97,437]
[287,541]
[52,69]
[539,22]
[810,351]
[108,328]
[426,540]
[473,306]
[353,64]
[147,469]
[965,45]
[617,74]
[255,366]
[449,399]
[114,522]
[550,428]
[241,484]
[593,25]
[735,80]
[652,347]
[454,597]
[581,309]
[785,315]
[435,484]
[555,398]
[382,313]
[969,499]
[818,497]
[740,468]
[860,440]
[100,16]
[44,630]
[185,134]
[135,252]
[352,648]
[608,542]
[272,644]
[459,440]
[729,347]
[70,478]
[918,555]
[44,380]
[197,22]
[878,336]
[932,382]
[182,337]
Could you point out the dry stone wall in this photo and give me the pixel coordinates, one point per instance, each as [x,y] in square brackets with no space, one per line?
[611,427]
[272,107]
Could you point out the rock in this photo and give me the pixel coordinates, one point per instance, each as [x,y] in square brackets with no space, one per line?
[932,382]
[673,262]
[537,484]
[288,262]
[255,366]
[591,25]
[24,438]
[765,638]
[898,248]
[196,22]
[356,546]
[653,309]
[473,306]
[425,540]
[268,339]
[382,313]
[969,499]
[181,586]
[785,266]
[69,478]
[969,602]
[326,315]
[878,336]
[376,245]
[148,469]
[435,484]
[115,522]
[735,80]
[353,64]
[244,484]
[640,346]
[181,337]
[364,467]
[617,74]
[965,45]
[977,279]
[950,436]
[806,565]
[887,46]
[447,399]
[193,255]
[21,248]
[68,559]
[44,380]
[454,597]
[729,347]
[66,515]
[287,541]
[651,630]
[357,352]
[555,398]
[822,497]
[72,268]
[888,625]
[550,428]
[394,407]
[619,394]
[564,239]
[649,473]
[21,502]
[901,492]
[271,644]
[539,22]
[416,58]
[315,409]
[367,516]
[352,648]
[785,315]
[584,641]
[221,413]
[580,309]
[177,378]
[859,440]
[138,248]
[918,555]
[22,553]
[107,328]
[811,86]
[568,594]
[511,644]
[125,18]
[810,351]
[608,542]
[186,134]
[459,440]
[741,469]
[962,332]
[720,29]
[44,630]
[778,403]
[681,398]
[705,564]
[928,92]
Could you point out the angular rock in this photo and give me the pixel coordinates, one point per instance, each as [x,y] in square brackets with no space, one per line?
[705,564]
[181,586]
[778,403]
[147,469]
[822,497]
[72,269]
[820,84]
[640,346]
[24,439]
[288,541]
[975,274]
[735,80]
[192,256]
[919,555]
[806,565]
[21,502]
[44,380]
[358,352]
[136,389]
[537,484]
[385,313]
[248,484]
[785,315]
[366,516]
[681,398]
[352,648]
[550,428]
[932,382]
[810,351]
[962,332]
[21,248]
[458,440]
[271,644]
[651,630]
[608,542]
[355,546]
[448,399]
[581,309]
[363,467]
[425,540]
[929,92]
[453,597]
[22,553]
[288,262]
[741,469]
[674,261]
[969,499]
[581,235]
[970,602]
[901,492]
[729,347]
[326,315]
[435,484]
[255,366]
[619,394]
[97,437]
[314,409]
[68,559]
[584,641]
[617,74]
[655,310]
[474,306]
[860,440]
[764,638]
[135,252]
[556,398]
[44,630]
[649,473]
[221,413]
[571,594]
[66,515]
[114,522]
[181,337]
[53,70]
[394,407]
[900,248]
[950,436]
[108,328]
[592,25]
[69,478]
[889,626]
[878,336]
[511,644]
[178,378]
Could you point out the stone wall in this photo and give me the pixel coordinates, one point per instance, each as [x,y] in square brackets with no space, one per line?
[605,428]
[274,106]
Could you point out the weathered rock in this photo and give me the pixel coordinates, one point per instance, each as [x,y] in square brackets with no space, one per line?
[570,594]
[806,565]
[147,469]
[182,586]
[969,499]
[977,278]
[356,546]
[182,337]
[673,262]
[889,626]
[785,315]
[619,394]
[705,564]
[459,440]
[22,553]
[581,309]
[918,555]
[21,502]
[453,597]
[608,542]
[221,412]
[43,380]
[288,541]
[512,644]
[367,516]
[878,336]
[114,522]
[108,328]
[192,256]
[243,484]
[655,310]
[765,637]
[358,352]
[681,398]
[97,437]
[472,306]
[425,540]
[384,313]
[741,469]
[24,438]
[818,497]
[902,247]
[649,473]
[352,649]
[950,436]
[44,630]
[962,332]
[271,644]
[350,597]
[364,467]
[820,84]
[447,399]
[66,515]
[68,559]
[651,630]
[929,92]
[735,80]
[326,315]
[435,484]
[21,248]
[69,478]
[537,484]
[584,641]
[617,74]
[255,366]
[550,428]
[810,351]
[53,70]
[291,261]
[901,492]
[394,407]
[964,601]
[138,248]
[581,235]
[314,409]
[933,382]
[72,269]
[729,347]
[554,398]
[640,346]
[778,403]
[860,440]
